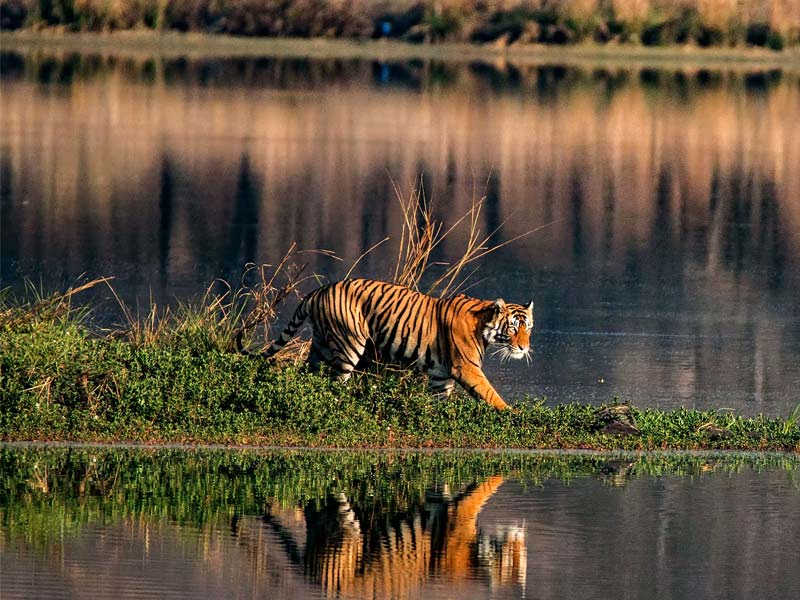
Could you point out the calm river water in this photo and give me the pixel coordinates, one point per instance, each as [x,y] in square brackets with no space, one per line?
[666,273]
[100,522]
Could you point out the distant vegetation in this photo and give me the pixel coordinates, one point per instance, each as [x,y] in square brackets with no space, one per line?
[765,23]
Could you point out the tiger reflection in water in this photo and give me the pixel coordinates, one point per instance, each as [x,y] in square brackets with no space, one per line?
[396,556]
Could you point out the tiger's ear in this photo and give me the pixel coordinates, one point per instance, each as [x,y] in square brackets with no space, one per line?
[499,305]
[530,308]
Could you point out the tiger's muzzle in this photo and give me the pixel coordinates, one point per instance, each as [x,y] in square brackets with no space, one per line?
[518,352]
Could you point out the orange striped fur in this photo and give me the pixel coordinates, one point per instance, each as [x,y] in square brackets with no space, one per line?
[358,321]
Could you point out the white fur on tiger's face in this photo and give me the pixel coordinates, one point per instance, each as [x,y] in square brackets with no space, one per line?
[510,329]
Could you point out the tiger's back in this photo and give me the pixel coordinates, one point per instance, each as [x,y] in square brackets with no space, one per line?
[358,321]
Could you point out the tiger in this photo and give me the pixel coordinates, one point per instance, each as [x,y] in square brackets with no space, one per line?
[356,322]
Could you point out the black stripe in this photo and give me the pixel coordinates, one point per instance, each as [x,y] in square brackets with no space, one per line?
[428,359]
[416,326]
[401,316]
[383,321]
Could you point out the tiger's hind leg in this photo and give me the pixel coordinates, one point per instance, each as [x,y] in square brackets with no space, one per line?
[346,356]
[316,358]
[326,354]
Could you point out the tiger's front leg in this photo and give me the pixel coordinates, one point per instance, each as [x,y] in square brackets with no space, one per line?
[441,386]
[474,381]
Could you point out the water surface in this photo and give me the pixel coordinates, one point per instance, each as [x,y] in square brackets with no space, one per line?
[99,522]
[666,272]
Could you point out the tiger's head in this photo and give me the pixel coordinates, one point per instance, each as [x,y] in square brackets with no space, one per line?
[510,328]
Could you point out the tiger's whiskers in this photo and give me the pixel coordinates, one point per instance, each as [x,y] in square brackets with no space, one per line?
[503,352]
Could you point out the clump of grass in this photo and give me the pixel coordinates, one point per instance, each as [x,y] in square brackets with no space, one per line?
[793,422]
[273,285]
[422,234]
[206,323]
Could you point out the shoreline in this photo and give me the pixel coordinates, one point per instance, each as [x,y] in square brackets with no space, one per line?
[138,43]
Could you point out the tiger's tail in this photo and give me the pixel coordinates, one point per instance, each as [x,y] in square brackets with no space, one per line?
[288,333]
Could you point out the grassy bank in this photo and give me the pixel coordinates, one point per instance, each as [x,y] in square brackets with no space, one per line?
[177,379]
[773,24]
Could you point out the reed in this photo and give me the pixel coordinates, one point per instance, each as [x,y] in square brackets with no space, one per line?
[422,234]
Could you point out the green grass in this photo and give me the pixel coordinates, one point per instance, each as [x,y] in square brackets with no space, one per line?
[177,379]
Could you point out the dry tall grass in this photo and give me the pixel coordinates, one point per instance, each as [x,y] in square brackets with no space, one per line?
[422,234]
[39,305]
